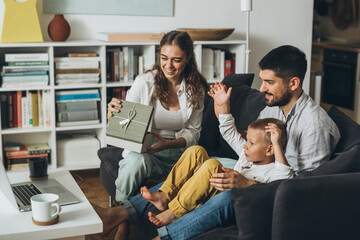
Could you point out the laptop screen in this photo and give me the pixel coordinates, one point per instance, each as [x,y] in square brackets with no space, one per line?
[5,187]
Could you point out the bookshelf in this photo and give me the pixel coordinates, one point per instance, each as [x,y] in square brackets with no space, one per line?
[51,134]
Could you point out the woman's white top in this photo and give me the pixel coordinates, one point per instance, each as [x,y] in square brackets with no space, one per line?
[166,122]
[142,91]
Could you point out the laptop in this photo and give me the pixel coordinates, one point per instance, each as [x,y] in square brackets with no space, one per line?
[19,194]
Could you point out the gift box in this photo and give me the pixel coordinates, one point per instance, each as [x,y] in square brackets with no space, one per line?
[128,128]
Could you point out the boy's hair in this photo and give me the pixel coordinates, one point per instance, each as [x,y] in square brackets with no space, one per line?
[260,125]
[286,62]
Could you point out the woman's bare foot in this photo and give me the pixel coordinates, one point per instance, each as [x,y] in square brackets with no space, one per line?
[159,199]
[111,217]
[162,219]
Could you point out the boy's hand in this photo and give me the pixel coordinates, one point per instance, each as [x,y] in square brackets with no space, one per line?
[275,133]
[220,93]
[221,96]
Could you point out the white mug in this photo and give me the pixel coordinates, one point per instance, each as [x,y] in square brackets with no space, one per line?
[45,207]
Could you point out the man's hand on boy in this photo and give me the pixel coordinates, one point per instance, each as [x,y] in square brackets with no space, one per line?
[229,179]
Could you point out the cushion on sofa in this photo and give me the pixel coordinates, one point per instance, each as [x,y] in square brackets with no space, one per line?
[345,162]
[349,130]
[253,208]
[238,79]
[246,104]
[320,207]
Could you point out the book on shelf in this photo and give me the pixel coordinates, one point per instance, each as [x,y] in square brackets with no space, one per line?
[27,108]
[22,163]
[77,59]
[128,128]
[34,155]
[90,94]
[78,115]
[78,75]
[24,84]
[9,69]
[87,70]
[28,73]
[29,149]
[12,146]
[25,78]
[4,98]
[76,81]
[76,106]
[129,37]
[28,63]
[77,65]
[21,57]
[77,123]
[82,55]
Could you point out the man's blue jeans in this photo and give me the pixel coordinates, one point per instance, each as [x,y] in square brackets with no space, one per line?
[218,211]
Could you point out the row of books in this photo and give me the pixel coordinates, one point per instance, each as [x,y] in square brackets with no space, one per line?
[122,65]
[25,70]
[77,69]
[17,155]
[25,108]
[77,107]
[217,63]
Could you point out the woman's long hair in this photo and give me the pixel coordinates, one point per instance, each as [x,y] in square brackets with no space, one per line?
[196,84]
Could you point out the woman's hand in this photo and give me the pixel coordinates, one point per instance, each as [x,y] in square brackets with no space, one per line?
[161,144]
[229,179]
[111,107]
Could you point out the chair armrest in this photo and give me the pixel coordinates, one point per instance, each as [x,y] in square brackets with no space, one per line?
[321,207]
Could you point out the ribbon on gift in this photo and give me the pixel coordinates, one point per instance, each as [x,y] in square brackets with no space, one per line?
[126,122]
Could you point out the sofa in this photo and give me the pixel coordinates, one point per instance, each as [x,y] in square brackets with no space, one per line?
[320,204]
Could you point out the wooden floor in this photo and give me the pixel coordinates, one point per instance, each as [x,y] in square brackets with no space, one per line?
[89,182]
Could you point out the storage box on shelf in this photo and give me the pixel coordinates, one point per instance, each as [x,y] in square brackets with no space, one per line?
[108,59]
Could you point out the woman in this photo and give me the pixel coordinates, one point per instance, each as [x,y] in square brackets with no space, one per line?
[176,89]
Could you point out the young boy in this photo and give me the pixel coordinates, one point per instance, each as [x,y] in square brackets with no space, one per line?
[187,187]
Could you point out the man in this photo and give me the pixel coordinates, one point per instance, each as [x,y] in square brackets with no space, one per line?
[312,136]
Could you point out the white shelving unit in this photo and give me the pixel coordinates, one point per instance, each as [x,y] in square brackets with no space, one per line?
[59,49]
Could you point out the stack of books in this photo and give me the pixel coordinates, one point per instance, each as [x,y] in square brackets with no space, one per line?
[77,69]
[77,107]
[17,155]
[25,108]
[25,70]
[122,65]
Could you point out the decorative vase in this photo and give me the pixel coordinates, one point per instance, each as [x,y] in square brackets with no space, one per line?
[59,29]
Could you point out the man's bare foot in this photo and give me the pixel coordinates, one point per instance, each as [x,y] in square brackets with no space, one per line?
[122,232]
[162,219]
[111,217]
[159,199]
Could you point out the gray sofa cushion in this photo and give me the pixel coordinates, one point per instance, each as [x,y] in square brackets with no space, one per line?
[349,130]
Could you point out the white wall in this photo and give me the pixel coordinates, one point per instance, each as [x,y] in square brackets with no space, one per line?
[273,23]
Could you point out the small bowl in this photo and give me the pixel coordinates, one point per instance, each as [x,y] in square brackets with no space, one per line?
[207,34]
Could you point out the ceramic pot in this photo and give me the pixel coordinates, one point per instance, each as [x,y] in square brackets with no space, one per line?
[59,29]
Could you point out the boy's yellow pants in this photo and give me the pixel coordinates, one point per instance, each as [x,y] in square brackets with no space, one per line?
[187,185]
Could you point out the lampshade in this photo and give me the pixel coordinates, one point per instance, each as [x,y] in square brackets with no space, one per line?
[246,5]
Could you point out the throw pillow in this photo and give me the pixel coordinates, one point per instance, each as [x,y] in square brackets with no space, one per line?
[254,210]
[235,80]
[346,162]
[349,130]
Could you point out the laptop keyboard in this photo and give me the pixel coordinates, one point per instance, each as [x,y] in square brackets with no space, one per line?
[25,192]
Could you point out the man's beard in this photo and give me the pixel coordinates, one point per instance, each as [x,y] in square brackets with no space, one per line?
[282,101]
